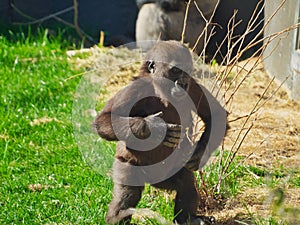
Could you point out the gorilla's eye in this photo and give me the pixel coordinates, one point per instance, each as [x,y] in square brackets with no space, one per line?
[150,66]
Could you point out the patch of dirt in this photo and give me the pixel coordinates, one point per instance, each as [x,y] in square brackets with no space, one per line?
[273,142]
[274,139]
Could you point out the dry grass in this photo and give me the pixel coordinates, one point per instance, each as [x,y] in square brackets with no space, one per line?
[272,142]
[265,123]
[274,138]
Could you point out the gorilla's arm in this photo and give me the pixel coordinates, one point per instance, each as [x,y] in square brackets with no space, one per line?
[114,122]
[215,118]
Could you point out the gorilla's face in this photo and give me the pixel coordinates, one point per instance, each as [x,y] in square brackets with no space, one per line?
[163,73]
[170,66]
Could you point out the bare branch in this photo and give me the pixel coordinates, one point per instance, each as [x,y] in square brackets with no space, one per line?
[185,20]
[77,28]
[46,17]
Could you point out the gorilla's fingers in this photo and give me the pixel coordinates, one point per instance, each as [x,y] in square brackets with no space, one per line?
[173,140]
[174,134]
[174,127]
[169,144]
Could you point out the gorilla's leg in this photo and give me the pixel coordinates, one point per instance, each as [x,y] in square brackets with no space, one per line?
[124,197]
[187,198]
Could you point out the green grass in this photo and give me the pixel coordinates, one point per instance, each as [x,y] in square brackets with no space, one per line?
[43,178]
[32,86]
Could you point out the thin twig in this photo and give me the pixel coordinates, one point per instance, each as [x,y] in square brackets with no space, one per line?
[46,17]
[237,45]
[238,165]
[207,23]
[77,28]
[237,149]
[54,16]
[79,75]
[185,20]
[21,13]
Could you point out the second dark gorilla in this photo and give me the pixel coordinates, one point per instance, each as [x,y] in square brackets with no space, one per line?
[164,20]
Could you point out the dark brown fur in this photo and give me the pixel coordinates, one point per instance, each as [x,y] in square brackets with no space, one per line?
[141,120]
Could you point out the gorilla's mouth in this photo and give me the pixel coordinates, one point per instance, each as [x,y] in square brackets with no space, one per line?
[179,89]
[181,84]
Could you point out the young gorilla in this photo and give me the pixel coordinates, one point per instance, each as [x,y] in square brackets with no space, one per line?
[164,19]
[155,110]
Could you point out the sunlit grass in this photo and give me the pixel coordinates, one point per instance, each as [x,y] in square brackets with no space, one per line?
[43,177]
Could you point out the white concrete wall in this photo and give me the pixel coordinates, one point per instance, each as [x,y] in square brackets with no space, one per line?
[282,59]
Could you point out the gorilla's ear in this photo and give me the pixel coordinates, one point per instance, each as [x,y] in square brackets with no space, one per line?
[150,66]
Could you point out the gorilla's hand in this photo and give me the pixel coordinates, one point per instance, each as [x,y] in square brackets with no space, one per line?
[142,128]
[172,138]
